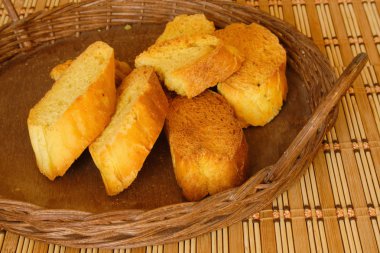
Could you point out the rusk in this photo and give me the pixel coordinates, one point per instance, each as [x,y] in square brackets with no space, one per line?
[207,144]
[74,111]
[257,90]
[120,151]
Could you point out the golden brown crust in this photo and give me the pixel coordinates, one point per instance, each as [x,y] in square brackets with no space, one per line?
[256,105]
[257,90]
[257,44]
[80,124]
[121,156]
[207,144]
[210,69]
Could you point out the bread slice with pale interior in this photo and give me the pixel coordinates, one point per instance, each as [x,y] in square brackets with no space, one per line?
[257,90]
[207,145]
[187,25]
[74,111]
[120,151]
[190,64]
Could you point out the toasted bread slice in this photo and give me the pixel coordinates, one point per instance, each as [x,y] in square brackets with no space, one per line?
[187,25]
[190,64]
[207,144]
[122,69]
[74,111]
[120,151]
[257,90]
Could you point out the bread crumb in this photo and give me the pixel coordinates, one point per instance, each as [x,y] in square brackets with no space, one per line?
[127,27]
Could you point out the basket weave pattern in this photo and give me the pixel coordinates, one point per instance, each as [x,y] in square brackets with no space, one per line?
[176,222]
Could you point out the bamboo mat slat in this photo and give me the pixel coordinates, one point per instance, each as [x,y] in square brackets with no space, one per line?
[334,207]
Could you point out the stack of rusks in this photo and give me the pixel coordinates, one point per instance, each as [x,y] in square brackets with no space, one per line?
[244,65]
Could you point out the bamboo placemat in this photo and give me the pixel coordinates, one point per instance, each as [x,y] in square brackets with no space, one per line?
[334,207]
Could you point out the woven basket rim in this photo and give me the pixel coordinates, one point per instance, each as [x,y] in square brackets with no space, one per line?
[26,218]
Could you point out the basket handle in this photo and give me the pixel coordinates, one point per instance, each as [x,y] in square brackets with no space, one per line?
[11,10]
[20,33]
[318,117]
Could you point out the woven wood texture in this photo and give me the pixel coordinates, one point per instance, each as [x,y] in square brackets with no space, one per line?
[334,207]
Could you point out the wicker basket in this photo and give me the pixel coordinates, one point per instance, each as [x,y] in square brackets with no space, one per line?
[132,228]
